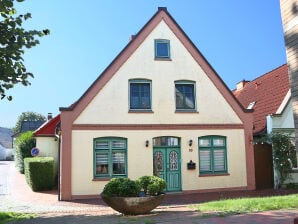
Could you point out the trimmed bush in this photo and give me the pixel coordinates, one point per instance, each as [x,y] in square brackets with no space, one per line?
[39,172]
[152,185]
[23,145]
[124,187]
[121,187]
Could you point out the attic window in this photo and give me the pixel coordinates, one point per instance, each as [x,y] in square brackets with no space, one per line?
[162,49]
[251,105]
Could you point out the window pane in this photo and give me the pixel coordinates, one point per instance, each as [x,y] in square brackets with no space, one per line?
[118,163]
[118,144]
[173,161]
[205,164]
[162,49]
[166,141]
[158,161]
[204,142]
[102,163]
[140,96]
[101,144]
[218,142]
[219,160]
[179,97]
[185,96]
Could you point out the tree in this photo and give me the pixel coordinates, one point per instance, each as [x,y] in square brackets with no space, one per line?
[13,40]
[27,116]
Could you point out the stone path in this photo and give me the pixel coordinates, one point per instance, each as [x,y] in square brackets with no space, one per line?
[15,195]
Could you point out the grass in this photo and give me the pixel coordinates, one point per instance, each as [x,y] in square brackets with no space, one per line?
[6,217]
[248,205]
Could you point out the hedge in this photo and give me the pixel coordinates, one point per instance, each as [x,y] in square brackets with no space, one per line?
[23,145]
[39,172]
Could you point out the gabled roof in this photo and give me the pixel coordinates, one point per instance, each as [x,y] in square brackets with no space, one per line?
[161,15]
[268,92]
[49,128]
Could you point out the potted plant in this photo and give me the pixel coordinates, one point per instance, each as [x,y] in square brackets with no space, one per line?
[131,197]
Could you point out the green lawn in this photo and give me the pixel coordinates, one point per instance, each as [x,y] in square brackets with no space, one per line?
[247,205]
[6,217]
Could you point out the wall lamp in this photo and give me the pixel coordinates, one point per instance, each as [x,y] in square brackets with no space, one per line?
[190,142]
[147,143]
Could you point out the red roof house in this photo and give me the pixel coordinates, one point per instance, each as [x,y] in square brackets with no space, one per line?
[264,95]
[48,129]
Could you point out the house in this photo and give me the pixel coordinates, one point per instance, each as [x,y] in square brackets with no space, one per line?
[264,95]
[47,139]
[161,108]
[270,98]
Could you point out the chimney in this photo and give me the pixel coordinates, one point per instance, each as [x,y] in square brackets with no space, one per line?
[132,37]
[50,116]
[240,85]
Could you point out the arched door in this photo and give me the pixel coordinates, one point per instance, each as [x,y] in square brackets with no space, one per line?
[167,161]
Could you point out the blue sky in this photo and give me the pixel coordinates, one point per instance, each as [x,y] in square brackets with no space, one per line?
[240,39]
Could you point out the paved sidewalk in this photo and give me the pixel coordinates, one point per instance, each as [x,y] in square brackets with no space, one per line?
[19,197]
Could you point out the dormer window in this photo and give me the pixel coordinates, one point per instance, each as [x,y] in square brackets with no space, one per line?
[162,49]
[251,105]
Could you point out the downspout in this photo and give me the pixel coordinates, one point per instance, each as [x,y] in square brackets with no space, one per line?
[58,136]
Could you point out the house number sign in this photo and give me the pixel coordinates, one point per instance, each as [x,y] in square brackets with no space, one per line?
[34,152]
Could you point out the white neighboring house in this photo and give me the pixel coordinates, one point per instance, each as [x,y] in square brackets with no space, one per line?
[46,139]
[283,120]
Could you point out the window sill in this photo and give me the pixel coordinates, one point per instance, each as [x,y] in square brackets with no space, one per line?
[101,178]
[162,59]
[213,174]
[186,111]
[140,111]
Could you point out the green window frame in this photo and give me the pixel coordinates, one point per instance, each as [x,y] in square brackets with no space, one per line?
[185,95]
[110,157]
[162,49]
[140,94]
[213,155]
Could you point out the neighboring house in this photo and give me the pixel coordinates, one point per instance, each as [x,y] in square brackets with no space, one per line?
[270,97]
[264,95]
[158,106]
[28,126]
[47,139]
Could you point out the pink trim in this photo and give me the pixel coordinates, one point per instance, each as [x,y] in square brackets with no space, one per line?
[155,126]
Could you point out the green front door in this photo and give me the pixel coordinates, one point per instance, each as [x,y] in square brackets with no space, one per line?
[166,162]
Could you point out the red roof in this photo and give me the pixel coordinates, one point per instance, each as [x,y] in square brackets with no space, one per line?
[48,128]
[268,92]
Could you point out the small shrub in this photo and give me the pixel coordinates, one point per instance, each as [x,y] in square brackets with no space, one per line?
[152,185]
[23,145]
[121,187]
[39,172]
